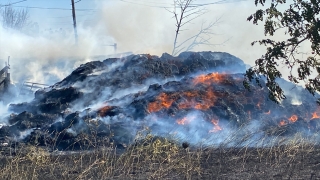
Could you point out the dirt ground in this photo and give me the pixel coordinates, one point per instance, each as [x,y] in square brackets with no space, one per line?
[261,164]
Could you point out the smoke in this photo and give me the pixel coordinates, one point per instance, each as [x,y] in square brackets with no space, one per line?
[24,134]
[49,56]
[198,131]
[151,30]
[44,59]
[3,114]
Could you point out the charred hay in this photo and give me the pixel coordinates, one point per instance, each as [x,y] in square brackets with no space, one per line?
[66,116]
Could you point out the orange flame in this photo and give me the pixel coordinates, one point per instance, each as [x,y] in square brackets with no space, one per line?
[182,121]
[192,99]
[268,112]
[283,123]
[293,118]
[315,116]
[185,120]
[209,79]
[162,101]
[216,126]
[208,100]
[258,105]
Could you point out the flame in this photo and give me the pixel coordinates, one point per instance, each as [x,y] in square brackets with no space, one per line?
[201,100]
[249,115]
[258,105]
[185,120]
[283,123]
[268,112]
[315,116]
[162,101]
[293,118]
[208,100]
[209,79]
[182,121]
[104,110]
[216,126]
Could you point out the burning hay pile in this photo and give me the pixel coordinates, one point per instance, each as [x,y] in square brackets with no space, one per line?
[195,97]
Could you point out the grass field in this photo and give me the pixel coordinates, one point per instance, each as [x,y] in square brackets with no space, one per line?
[153,157]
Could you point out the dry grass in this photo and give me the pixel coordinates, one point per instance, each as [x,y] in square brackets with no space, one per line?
[149,157]
[152,157]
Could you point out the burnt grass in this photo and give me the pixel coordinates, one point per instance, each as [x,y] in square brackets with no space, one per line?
[159,158]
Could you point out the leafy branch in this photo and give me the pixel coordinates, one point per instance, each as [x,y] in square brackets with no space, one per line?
[301,26]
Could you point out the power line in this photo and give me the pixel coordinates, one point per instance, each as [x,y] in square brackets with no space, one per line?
[12,3]
[69,16]
[218,2]
[34,7]
[172,5]
[153,2]
[155,6]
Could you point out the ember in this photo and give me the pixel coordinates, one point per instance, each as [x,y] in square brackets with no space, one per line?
[283,123]
[191,100]
[258,105]
[269,112]
[209,79]
[102,112]
[216,126]
[314,116]
[207,98]
[162,101]
[293,118]
[185,120]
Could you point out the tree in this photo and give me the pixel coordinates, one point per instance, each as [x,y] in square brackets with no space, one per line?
[184,12]
[14,19]
[301,26]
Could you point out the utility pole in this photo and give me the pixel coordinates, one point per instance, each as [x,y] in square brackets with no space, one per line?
[115,47]
[74,22]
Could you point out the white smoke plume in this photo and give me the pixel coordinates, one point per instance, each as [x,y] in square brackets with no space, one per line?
[48,57]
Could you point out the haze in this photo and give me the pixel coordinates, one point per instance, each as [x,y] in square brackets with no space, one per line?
[48,53]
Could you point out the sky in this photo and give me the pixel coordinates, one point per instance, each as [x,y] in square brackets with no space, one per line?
[137,26]
[55,13]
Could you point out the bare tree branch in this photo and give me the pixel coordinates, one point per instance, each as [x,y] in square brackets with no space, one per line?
[14,19]
[184,13]
[183,5]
